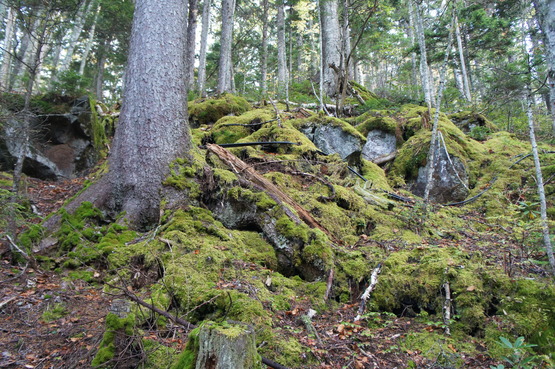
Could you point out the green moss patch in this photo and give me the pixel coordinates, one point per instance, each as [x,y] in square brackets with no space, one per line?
[209,111]
[222,132]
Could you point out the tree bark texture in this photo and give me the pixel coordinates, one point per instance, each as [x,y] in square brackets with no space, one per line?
[80,18]
[224,64]
[331,45]
[90,41]
[191,34]
[201,79]
[464,73]
[545,12]
[152,129]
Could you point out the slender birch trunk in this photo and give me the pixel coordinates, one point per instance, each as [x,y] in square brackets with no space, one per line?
[201,79]
[8,48]
[539,181]
[191,34]
[434,139]
[90,41]
[545,13]
[282,58]
[264,53]
[462,61]
[75,33]
[224,64]
[424,69]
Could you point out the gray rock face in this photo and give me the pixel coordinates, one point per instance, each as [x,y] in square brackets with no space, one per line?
[378,143]
[333,140]
[450,179]
[60,145]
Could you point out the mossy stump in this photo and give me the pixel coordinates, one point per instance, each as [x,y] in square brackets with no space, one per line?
[224,346]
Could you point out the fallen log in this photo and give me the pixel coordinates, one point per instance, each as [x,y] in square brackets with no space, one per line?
[368,291]
[385,158]
[249,174]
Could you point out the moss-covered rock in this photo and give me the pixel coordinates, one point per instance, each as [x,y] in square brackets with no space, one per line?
[223,132]
[210,110]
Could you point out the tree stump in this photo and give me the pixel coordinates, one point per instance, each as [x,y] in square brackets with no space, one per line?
[221,346]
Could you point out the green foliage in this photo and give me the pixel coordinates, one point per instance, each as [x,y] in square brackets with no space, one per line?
[479,133]
[71,83]
[519,357]
[528,209]
[54,312]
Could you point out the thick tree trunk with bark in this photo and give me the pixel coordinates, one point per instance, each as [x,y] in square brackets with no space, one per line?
[152,129]
[331,45]
[282,59]
[201,79]
[224,64]
[545,12]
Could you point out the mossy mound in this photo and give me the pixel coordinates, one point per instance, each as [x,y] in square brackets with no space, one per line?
[386,124]
[321,119]
[210,110]
[411,282]
[224,132]
[413,154]
[365,93]
[467,120]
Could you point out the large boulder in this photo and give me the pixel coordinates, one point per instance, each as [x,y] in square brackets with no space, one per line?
[332,136]
[450,179]
[62,145]
[379,143]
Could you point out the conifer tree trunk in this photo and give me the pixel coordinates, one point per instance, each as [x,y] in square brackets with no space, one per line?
[225,63]
[152,129]
[330,45]
[201,79]
[282,59]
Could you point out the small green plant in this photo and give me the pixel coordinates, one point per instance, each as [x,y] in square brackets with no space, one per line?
[519,357]
[479,133]
[528,209]
[416,217]
[54,312]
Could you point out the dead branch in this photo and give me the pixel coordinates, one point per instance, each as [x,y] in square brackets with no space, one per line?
[368,291]
[385,158]
[250,175]
[328,287]
[447,308]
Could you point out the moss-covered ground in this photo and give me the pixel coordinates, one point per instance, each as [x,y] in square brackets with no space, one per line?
[192,265]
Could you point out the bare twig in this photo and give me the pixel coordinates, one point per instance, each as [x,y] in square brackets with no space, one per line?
[368,291]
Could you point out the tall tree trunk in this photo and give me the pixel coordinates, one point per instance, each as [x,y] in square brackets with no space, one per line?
[539,181]
[281,47]
[434,139]
[80,19]
[201,79]
[545,12]
[191,34]
[264,51]
[89,44]
[101,65]
[8,44]
[424,69]
[330,45]
[464,74]
[152,130]
[224,64]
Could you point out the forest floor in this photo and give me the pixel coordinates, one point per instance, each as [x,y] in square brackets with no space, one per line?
[50,321]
